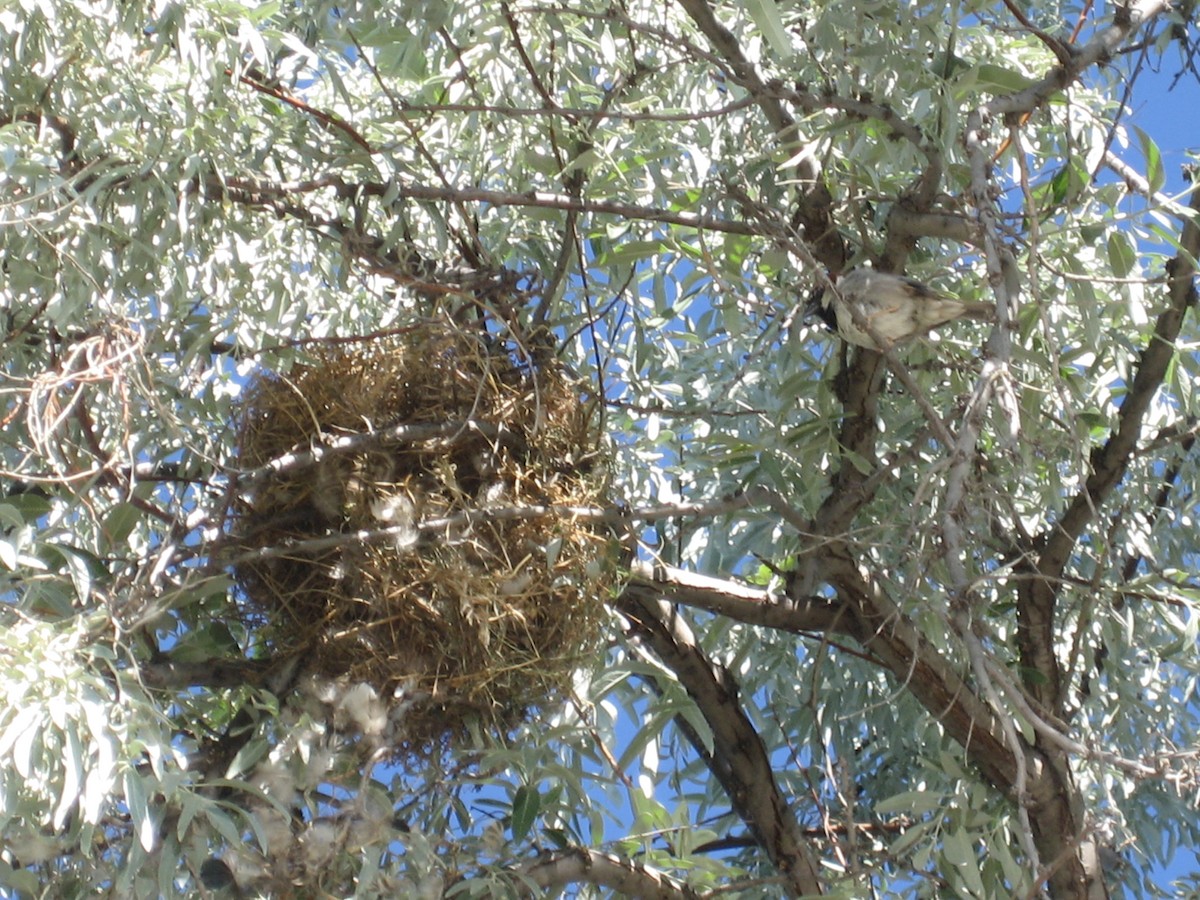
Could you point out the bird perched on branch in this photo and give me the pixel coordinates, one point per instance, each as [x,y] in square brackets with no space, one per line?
[895,307]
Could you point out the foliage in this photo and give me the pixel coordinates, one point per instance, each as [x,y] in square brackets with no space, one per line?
[921,622]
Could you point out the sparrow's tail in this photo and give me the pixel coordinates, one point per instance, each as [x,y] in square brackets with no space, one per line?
[984,312]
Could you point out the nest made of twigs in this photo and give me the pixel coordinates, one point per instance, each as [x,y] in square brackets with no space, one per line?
[406,528]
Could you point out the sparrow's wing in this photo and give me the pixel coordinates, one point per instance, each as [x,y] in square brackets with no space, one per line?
[920,289]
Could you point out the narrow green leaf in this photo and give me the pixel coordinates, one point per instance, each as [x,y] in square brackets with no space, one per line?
[224,826]
[1153,156]
[1002,80]
[23,882]
[119,523]
[909,839]
[1120,254]
[139,811]
[192,804]
[250,753]
[912,802]
[27,727]
[10,516]
[956,848]
[766,16]
[72,777]
[526,805]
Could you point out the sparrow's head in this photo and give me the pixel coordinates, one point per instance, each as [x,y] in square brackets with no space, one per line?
[819,306]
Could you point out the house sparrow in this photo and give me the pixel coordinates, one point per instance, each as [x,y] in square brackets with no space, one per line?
[896,307]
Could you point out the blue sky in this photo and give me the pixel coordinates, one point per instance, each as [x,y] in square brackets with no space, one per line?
[1169,116]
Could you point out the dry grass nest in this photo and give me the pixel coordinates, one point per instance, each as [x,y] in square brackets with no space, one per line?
[400,533]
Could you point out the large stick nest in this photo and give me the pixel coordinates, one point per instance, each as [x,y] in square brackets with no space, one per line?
[401,532]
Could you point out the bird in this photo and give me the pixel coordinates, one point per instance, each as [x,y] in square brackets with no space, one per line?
[896,307]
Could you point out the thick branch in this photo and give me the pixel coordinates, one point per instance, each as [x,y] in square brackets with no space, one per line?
[1037,598]
[1057,825]
[1110,461]
[272,194]
[726,45]
[629,879]
[913,224]
[848,491]
[1099,49]
[737,747]
[740,602]
[868,617]
[891,637]
[814,206]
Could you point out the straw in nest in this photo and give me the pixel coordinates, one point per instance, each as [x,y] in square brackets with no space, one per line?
[433,570]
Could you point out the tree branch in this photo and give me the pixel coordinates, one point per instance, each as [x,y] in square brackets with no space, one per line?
[1100,48]
[267,194]
[1109,461]
[813,214]
[1056,825]
[891,637]
[754,606]
[581,864]
[737,747]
